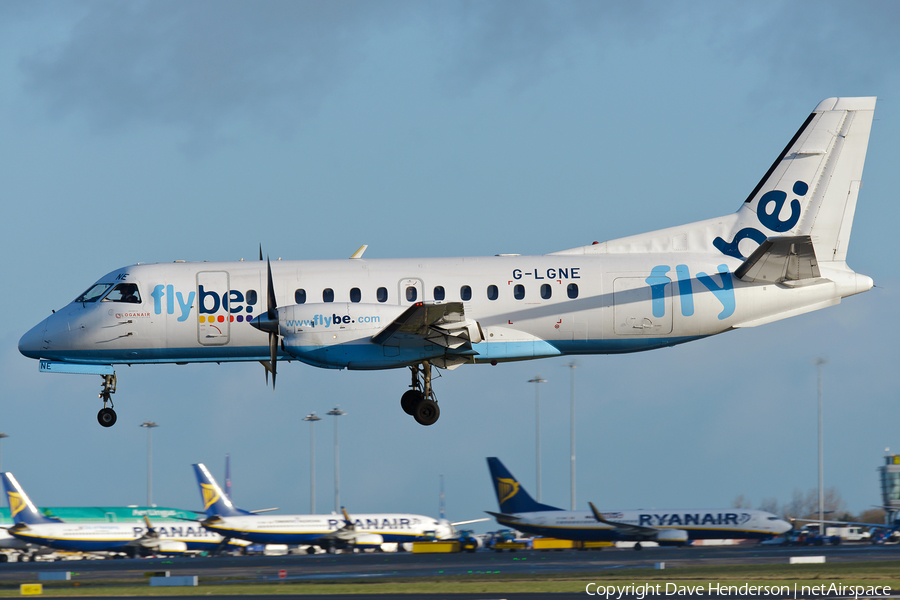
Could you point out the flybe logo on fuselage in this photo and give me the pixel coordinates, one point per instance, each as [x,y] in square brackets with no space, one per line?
[700,519]
[769,220]
[723,289]
[233,302]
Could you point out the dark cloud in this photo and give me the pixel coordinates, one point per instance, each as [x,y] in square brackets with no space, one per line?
[199,64]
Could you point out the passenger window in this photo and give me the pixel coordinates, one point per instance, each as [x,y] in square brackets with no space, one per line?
[299,296]
[492,292]
[381,295]
[328,295]
[355,295]
[252,298]
[438,293]
[546,291]
[411,294]
[124,292]
[519,291]
[465,293]
[93,294]
[572,290]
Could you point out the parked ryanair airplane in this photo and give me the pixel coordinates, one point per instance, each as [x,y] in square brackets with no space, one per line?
[665,527]
[162,516]
[326,531]
[132,539]
[783,253]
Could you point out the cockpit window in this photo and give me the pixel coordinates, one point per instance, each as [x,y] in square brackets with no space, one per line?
[94,293]
[124,292]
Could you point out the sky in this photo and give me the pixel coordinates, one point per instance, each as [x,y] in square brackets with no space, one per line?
[186,130]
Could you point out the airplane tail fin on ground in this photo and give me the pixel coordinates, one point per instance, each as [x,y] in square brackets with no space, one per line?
[511,496]
[21,509]
[215,502]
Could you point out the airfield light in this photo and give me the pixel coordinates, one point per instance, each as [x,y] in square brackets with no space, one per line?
[312,418]
[336,412]
[2,435]
[149,425]
[819,362]
[572,366]
[537,381]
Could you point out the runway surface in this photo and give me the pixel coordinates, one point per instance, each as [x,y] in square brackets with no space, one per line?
[489,565]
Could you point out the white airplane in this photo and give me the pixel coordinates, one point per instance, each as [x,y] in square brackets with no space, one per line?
[783,253]
[326,531]
[665,527]
[132,539]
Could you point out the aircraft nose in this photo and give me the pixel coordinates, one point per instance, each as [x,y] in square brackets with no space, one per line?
[32,343]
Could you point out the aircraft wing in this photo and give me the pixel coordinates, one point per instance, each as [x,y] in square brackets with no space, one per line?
[625,528]
[443,324]
[780,259]
[503,516]
[877,525]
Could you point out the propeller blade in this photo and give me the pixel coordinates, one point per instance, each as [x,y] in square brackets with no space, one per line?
[260,252]
[273,357]
[272,305]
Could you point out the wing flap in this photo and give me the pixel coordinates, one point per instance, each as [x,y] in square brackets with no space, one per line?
[441,324]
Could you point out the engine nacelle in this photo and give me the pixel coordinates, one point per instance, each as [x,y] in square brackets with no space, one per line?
[171,546]
[368,539]
[671,537]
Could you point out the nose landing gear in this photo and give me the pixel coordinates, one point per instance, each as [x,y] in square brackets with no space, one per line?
[107,416]
[419,400]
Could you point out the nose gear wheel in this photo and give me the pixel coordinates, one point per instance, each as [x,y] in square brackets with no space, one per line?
[107,416]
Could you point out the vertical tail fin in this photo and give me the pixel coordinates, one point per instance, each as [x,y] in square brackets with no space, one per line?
[511,496]
[215,502]
[21,509]
[811,188]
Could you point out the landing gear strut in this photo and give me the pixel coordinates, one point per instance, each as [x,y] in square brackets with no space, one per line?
[107,416]
[419,400]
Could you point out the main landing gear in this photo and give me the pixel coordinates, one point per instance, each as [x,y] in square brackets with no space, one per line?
[419,400]
[107,416]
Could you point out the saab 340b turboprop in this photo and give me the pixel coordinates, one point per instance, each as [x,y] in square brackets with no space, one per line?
[783,253]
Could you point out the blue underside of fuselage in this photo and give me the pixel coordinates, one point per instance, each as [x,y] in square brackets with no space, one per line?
[274,537]
[583,534]
[362,355]
[106,545]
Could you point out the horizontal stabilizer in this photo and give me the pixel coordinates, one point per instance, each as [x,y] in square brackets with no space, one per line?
[780,259]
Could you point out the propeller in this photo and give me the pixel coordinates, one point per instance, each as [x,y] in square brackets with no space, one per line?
[268,322]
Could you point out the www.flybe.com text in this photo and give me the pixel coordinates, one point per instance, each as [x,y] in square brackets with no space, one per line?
[328,321]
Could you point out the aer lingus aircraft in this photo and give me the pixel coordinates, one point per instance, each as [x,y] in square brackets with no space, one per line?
[783,253]
[666,527]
